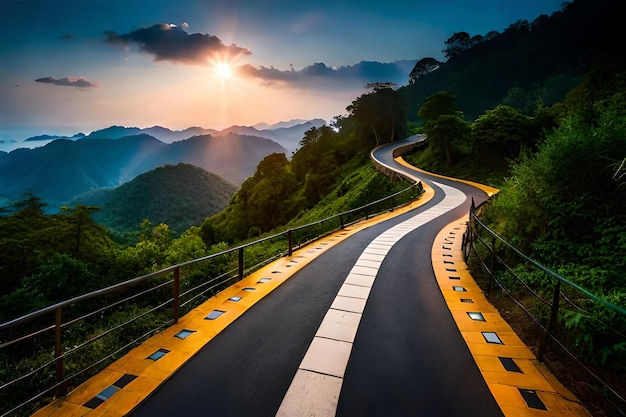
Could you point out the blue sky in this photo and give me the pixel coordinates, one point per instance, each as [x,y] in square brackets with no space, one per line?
[81,65]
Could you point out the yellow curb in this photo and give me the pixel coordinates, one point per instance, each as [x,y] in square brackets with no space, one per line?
[504,385]
[490,191]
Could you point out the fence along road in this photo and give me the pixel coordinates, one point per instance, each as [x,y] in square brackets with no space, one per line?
[361,330]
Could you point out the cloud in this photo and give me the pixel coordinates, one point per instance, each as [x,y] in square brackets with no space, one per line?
[168,42]
[321,75]
[68,82]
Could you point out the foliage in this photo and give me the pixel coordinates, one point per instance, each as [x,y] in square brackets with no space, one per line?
[254,208]
[381,112]
[438,104]
[423,67]
[29,239]
[445,128]
[502,131]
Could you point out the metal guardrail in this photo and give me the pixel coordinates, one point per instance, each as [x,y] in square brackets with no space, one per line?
[547,305]
[46,353]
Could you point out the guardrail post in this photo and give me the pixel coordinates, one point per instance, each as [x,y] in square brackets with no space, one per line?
[58,353]
[492,264]
[543,346]
[341,220]
[290,239]
[240,273]
[176,305]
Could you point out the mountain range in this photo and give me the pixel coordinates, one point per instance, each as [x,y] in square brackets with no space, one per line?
[287,133]
[68,166]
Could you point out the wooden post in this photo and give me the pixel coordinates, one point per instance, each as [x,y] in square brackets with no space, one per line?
[58,353]
[492,264]
[554,311]
[176,305]
[240,273]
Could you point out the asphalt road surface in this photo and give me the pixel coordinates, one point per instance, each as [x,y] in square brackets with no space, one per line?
[407,359]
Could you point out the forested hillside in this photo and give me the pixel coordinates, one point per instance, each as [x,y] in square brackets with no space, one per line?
[180,196]
[528,63]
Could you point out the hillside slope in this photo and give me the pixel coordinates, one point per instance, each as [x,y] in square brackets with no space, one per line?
[179,195]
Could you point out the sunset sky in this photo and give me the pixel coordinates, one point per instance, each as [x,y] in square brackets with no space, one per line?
[81,65]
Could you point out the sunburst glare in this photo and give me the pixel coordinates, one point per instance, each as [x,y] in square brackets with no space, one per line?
[223,70]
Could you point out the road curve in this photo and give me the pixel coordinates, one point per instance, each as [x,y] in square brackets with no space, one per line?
[362,330]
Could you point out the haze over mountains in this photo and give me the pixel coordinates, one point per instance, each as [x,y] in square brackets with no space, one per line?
[286,133]
[66,167]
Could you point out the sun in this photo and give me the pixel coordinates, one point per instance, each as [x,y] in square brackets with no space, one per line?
[223,70]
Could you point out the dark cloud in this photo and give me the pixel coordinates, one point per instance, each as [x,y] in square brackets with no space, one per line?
[171,43]
[320,75]
[68,82]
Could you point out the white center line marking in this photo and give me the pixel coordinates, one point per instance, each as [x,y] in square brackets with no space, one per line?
[315,388]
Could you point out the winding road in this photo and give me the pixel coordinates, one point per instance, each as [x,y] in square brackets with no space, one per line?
[362,330]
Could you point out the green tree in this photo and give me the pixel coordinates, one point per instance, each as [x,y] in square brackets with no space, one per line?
[380,112]
[436,105]
[456,44]
[423,67]
[445,128]
[448,134]
[269,201]
[84,236]
[61,277]
[502,131]
[186,247]
[266,199]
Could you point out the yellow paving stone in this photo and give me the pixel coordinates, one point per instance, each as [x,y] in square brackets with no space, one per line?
[93,386]
[526,381]
[143,384]
[491,363]
[131,363]
[493,322]
[509,338]
[509,411]
[170,362]
[560,407]
[62,408]
[122,402]
[104,412]
[499,350]
[507,395]
[157,374]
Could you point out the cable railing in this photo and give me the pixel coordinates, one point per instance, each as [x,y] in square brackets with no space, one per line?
[47,353]
[567,325]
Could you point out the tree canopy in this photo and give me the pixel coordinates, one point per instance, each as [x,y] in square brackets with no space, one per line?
[380,112]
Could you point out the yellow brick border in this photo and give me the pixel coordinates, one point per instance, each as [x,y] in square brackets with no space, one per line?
[447,260]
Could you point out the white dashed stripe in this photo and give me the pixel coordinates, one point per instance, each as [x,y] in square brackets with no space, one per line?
[315,388]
